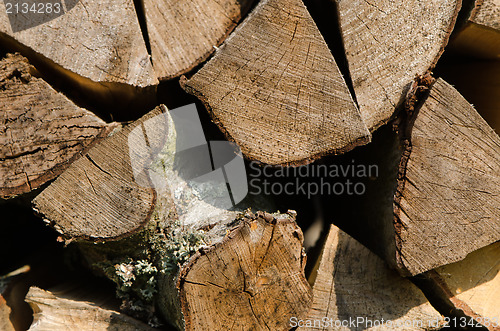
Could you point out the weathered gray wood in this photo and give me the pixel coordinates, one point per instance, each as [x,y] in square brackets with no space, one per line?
[60,311]
[387,43]
[350,282]
[41,131]
[183,34]
[98,197]
[274,88]
[98,40]
[446,205]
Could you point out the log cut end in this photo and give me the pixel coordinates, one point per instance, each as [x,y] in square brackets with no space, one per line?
[42,130]
[274,88]
[184,33]
[98,40]
[387,43]
[100,196]
[447,201]
[252,279]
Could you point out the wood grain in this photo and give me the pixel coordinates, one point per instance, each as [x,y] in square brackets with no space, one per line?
[41,131]
[386,44]
[447,201]
[274,88]
[98,197]
[98,40]
[473,285]
[253,279]
[351,282]
[184,33]
[56,312]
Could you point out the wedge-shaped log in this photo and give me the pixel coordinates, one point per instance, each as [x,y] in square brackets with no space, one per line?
[274,88]
[98,197]
[352,285]
[386,44]
[98,40]
[183,34]
[59,311]
[41,131]
[446,204]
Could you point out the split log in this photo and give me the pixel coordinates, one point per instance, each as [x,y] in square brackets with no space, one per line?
[107,202]
[446,204]
[183,34]
[261,255]
[98,40]
[274,88]
[41,131]
[468,290]
[350,284]
[480,36]
[93,51]
[59,311]
[250,277]
[5,323]
[386,44]
[479,82]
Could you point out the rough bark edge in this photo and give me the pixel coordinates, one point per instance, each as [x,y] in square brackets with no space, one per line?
[80,89]
[12,192]
[415,98]
[442,299]
[294,163]
[140,227]
[229,29]
[269,218]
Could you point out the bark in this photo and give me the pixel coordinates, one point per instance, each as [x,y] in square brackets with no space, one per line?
[184,34]
[42,132]
[351,283]
[60,311]
[274,88]
[446,204]
[386,44]
[480,36]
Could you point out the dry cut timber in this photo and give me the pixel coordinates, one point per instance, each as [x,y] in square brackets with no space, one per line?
[274,88]
[59,311]
[350,282]
[97,40]
[41,131]
[98,197]
[470,287]
[446,204]
[215,267]
[251,277]
[183,34]
[387,43]
[480,36]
